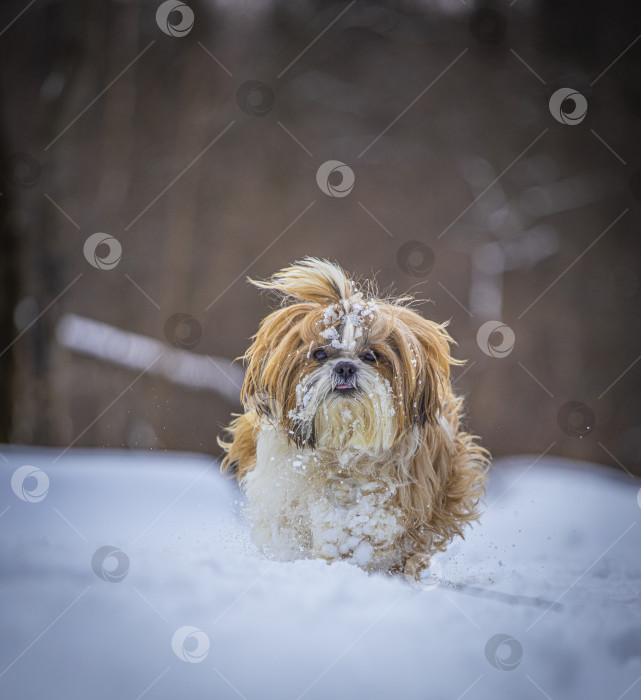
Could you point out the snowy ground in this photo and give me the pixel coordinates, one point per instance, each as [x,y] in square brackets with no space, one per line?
[554,567]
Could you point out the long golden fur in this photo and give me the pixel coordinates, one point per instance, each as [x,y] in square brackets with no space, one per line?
[405,433]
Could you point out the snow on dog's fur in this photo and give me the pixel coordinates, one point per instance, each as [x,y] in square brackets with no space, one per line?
[350,446]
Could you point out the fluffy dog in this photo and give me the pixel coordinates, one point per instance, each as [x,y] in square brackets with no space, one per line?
[350,446]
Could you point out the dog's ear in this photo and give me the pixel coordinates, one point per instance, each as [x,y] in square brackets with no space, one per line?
[426,359]
[310,279]
[260,368]
[271,362]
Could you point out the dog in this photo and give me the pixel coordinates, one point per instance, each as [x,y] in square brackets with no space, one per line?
[350,446]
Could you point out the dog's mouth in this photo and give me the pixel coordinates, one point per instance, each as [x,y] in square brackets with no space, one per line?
[345,388]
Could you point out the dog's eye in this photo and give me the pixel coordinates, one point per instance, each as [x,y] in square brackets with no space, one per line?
[369,356]
[319,355]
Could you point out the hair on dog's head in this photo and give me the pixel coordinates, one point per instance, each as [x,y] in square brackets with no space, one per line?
[338,367]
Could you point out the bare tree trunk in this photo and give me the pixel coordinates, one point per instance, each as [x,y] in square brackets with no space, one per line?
[9,281]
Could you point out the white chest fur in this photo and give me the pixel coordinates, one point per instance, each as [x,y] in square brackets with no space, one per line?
[321,503]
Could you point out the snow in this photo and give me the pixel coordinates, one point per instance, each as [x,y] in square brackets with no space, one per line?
[134,351]
[547,586]
[355,311]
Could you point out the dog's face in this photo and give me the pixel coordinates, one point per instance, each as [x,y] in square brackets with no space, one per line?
[339,368]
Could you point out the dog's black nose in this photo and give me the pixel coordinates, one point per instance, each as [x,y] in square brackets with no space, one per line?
[345,369]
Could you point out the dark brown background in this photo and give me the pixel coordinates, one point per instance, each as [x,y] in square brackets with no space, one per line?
[224,217]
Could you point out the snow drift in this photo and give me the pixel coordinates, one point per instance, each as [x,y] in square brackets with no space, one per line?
[130,575]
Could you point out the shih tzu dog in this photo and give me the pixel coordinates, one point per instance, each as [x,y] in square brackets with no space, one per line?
[350,446]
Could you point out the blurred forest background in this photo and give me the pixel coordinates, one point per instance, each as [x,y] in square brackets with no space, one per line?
[194,150]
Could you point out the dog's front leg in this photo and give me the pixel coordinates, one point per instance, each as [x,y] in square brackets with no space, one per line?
[357,521]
